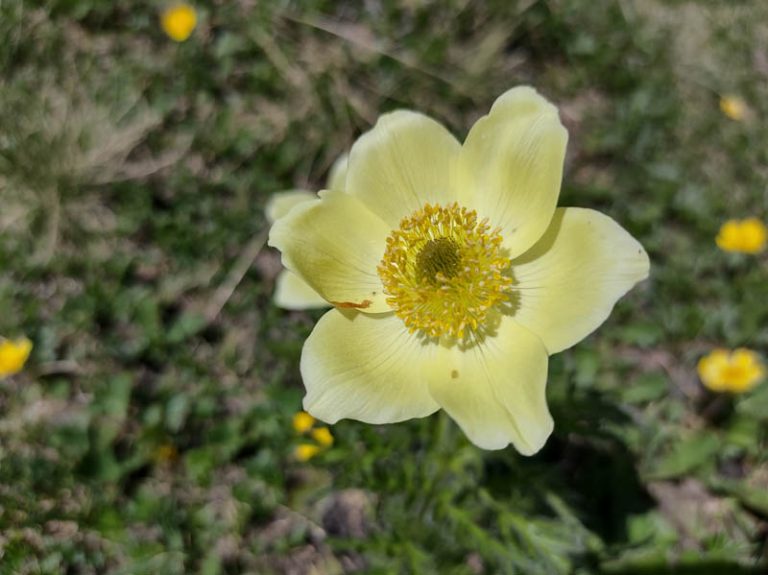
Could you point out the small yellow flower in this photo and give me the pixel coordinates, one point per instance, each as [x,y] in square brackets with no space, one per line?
[733,107]
[13,355]
[178,21]
[306,451]
[745,236]
[302,422]
[734,372]
[452,274]
[323,436]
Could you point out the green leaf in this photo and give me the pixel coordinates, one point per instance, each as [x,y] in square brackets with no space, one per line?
[750,497]
[686,456]
[646,388]
[188,325]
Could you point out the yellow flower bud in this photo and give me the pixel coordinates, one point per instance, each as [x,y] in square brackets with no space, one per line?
[733,107]
[323,436]
[306,451]
[13,355]
[179,21]
[302,422]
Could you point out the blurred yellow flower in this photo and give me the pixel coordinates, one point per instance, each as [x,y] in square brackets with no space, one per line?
[733,107]
[452,273]
[323,436]
[746,236]
[302,422]
[13,355]
[734,372]
[178,21]
[165,453]
[306,451]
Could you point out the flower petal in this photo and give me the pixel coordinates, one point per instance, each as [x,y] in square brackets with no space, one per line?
[711,368]
[570,280]
[512,161]
[283,202]
[366,368]
[495,390]
[402,163]
[292,292]
[334,244]
[338,175]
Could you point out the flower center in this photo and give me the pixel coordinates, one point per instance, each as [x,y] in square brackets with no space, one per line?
[443,270]
[438,257]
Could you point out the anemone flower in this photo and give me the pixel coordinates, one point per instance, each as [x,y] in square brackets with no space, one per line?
[452,274]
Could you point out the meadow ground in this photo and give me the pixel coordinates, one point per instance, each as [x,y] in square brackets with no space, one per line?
[151,430]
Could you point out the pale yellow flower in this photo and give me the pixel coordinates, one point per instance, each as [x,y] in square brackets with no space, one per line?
[179,21]
[13,355]
[302,422]
[733,107]
[452,273]
[323,436]
[745,236]
[292,292]
[306,451]
[734,372]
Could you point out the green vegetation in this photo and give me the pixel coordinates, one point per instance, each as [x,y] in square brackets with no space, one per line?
[151,431]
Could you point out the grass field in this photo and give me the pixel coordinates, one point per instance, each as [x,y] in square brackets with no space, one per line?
[151,429]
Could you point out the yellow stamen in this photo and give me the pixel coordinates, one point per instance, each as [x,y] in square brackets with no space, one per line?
[443,270]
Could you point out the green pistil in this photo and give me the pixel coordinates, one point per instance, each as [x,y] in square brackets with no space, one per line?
[440,256]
